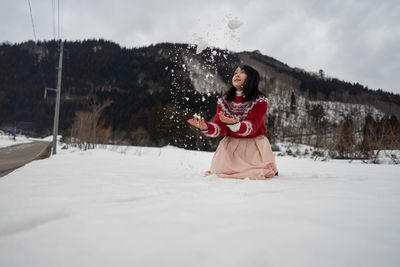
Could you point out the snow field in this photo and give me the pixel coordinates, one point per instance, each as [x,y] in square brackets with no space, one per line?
[138,206]
[7,140]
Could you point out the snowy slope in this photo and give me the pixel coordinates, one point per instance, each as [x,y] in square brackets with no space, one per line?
[133,206]
[204,80]
[279,101]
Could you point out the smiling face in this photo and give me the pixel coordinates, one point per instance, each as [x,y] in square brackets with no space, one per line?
[239,78]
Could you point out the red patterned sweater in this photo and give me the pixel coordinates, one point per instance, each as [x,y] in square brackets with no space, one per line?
[251,113]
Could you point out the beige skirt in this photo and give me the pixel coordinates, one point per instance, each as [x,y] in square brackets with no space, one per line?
[244,158]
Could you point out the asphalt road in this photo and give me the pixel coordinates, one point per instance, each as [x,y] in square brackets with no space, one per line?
[13,157]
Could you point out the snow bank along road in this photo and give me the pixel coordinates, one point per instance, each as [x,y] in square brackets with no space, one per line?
[152,207]
[13,157]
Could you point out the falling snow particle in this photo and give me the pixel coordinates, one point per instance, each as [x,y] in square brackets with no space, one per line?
[201,45]
[234,24]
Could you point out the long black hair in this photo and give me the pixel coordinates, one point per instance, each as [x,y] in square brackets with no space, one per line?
[250,87]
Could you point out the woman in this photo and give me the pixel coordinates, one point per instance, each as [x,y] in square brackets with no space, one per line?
[244,151]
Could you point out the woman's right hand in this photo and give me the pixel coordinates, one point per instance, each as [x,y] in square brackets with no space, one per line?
[198,122]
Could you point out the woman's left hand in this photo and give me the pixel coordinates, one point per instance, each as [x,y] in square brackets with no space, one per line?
[227,120]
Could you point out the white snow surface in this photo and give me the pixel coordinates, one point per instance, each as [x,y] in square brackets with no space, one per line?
[138,206]
[7,140]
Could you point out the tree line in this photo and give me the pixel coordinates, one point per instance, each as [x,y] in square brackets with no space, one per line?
[146,93]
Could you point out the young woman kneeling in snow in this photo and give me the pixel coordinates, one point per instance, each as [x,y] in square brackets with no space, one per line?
[244,151]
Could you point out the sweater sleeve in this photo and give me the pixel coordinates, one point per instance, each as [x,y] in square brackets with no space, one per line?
[253,121]
[216,128]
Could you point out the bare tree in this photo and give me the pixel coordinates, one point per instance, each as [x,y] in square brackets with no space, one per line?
[85,127]
[344,144]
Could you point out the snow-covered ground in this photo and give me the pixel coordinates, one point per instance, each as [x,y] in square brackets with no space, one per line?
[137,206]
[8,140]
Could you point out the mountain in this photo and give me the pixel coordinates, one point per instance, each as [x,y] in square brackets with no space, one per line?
[153,90]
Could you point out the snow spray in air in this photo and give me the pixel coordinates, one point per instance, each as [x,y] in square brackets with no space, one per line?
[198,74]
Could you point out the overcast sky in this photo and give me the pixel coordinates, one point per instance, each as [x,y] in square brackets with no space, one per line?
[353,40]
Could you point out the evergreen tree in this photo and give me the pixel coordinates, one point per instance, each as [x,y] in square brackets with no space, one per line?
[293,106]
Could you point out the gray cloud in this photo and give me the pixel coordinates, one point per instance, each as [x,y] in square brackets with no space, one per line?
[357,41]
